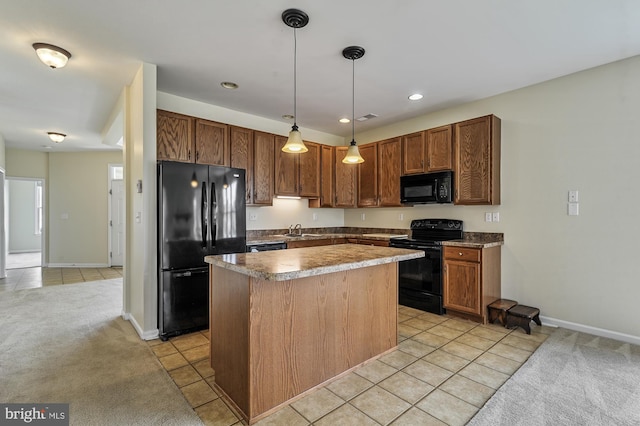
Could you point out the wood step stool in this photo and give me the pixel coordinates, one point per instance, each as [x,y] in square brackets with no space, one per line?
[521,316]
[498,310]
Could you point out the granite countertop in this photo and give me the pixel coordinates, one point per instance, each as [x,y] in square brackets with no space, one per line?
[282,265]
[279,238]
[477,240]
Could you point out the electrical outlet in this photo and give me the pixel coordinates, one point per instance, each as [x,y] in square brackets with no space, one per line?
[253,216]
[401,216]
[314,216]
[495,217]
[573,196]
[488,217]
[362,216]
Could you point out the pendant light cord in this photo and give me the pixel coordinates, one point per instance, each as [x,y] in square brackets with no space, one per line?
[295,82]
[353,100]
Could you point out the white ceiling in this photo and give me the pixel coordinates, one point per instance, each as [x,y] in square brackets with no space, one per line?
[451,51]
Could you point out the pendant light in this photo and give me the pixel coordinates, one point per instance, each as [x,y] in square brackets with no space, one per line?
[295,19]
[353,154]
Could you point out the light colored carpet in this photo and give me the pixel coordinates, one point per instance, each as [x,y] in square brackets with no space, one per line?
[572,379]
[68,344]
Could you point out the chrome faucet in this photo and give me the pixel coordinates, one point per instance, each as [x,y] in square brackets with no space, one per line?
[299,228]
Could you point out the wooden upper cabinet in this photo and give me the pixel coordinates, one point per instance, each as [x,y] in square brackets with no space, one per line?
[174,136]
[346,180]
[327,176]
[368,176]
[297,175]
[212,143]
[413,153]
[309,175]
[241,155]
[389,170]
[439,142]
[263,158]
[286,170]
[477,161]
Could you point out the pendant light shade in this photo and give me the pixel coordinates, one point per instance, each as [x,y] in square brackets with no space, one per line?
[353,154]
[295,18]
[50,55]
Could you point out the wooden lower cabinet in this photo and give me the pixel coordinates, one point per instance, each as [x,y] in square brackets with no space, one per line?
[368,242]
[471,281]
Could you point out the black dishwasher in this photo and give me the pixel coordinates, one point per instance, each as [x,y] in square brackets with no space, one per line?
[266,246]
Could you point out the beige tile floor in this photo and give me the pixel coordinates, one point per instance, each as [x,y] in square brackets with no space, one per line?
[442,373]
[23,278]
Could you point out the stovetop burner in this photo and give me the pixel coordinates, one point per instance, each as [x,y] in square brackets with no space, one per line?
[434,231]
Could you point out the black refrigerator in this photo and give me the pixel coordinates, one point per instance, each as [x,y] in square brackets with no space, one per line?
[201,211]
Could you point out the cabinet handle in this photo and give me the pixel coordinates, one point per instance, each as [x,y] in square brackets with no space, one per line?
[197,155]
[189,155]
[459,253]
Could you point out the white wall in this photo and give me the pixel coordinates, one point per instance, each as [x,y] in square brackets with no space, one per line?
[22,216]
[78,208]
[579,132]
[140,273]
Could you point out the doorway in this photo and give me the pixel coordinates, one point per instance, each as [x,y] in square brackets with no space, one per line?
[116,215]
[24,207]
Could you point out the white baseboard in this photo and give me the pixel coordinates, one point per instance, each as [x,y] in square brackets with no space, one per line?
[144,335]
[591,330]
[78,265]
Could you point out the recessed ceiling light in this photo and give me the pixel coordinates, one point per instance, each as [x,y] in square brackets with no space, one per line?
[415,97]
[50,55]
[229,85]
[56,137]
[344,120]
[288,117]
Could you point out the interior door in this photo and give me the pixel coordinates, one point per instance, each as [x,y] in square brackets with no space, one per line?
[116,222]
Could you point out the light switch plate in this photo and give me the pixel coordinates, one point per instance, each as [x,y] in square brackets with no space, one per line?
[573,209]
[496,216]
[573,196]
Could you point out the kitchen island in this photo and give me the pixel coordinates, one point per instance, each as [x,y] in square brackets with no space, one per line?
[284,322]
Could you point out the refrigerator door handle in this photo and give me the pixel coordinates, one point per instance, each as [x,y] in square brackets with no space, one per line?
[214,214]
[203,214]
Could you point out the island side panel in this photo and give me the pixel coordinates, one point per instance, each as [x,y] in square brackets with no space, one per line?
[306,331]
[229,327]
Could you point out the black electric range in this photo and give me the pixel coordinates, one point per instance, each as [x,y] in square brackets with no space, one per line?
[420,280]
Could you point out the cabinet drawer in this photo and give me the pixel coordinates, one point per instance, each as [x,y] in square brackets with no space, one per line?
[462,253]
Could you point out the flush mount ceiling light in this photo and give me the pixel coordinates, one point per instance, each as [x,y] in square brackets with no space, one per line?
[415,97]
[288,116]
[56,137]
[353,154]
[295,19]
[344,120]
[52,56]
[229,85]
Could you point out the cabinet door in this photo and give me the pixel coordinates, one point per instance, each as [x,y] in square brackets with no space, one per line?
[212,143]
[389,169]
[174,136]
[241,156]
[477,164]
[327,181]
[368,176]
[286,170]
[413,153]
[309,175]
[309,243]
[263,150]
[461,289]
[440,148]
[346,177]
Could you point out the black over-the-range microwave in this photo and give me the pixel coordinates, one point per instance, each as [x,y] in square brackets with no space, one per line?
[426,188]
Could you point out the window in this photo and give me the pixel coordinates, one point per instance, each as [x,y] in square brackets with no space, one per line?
[117,172]
[38,207]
